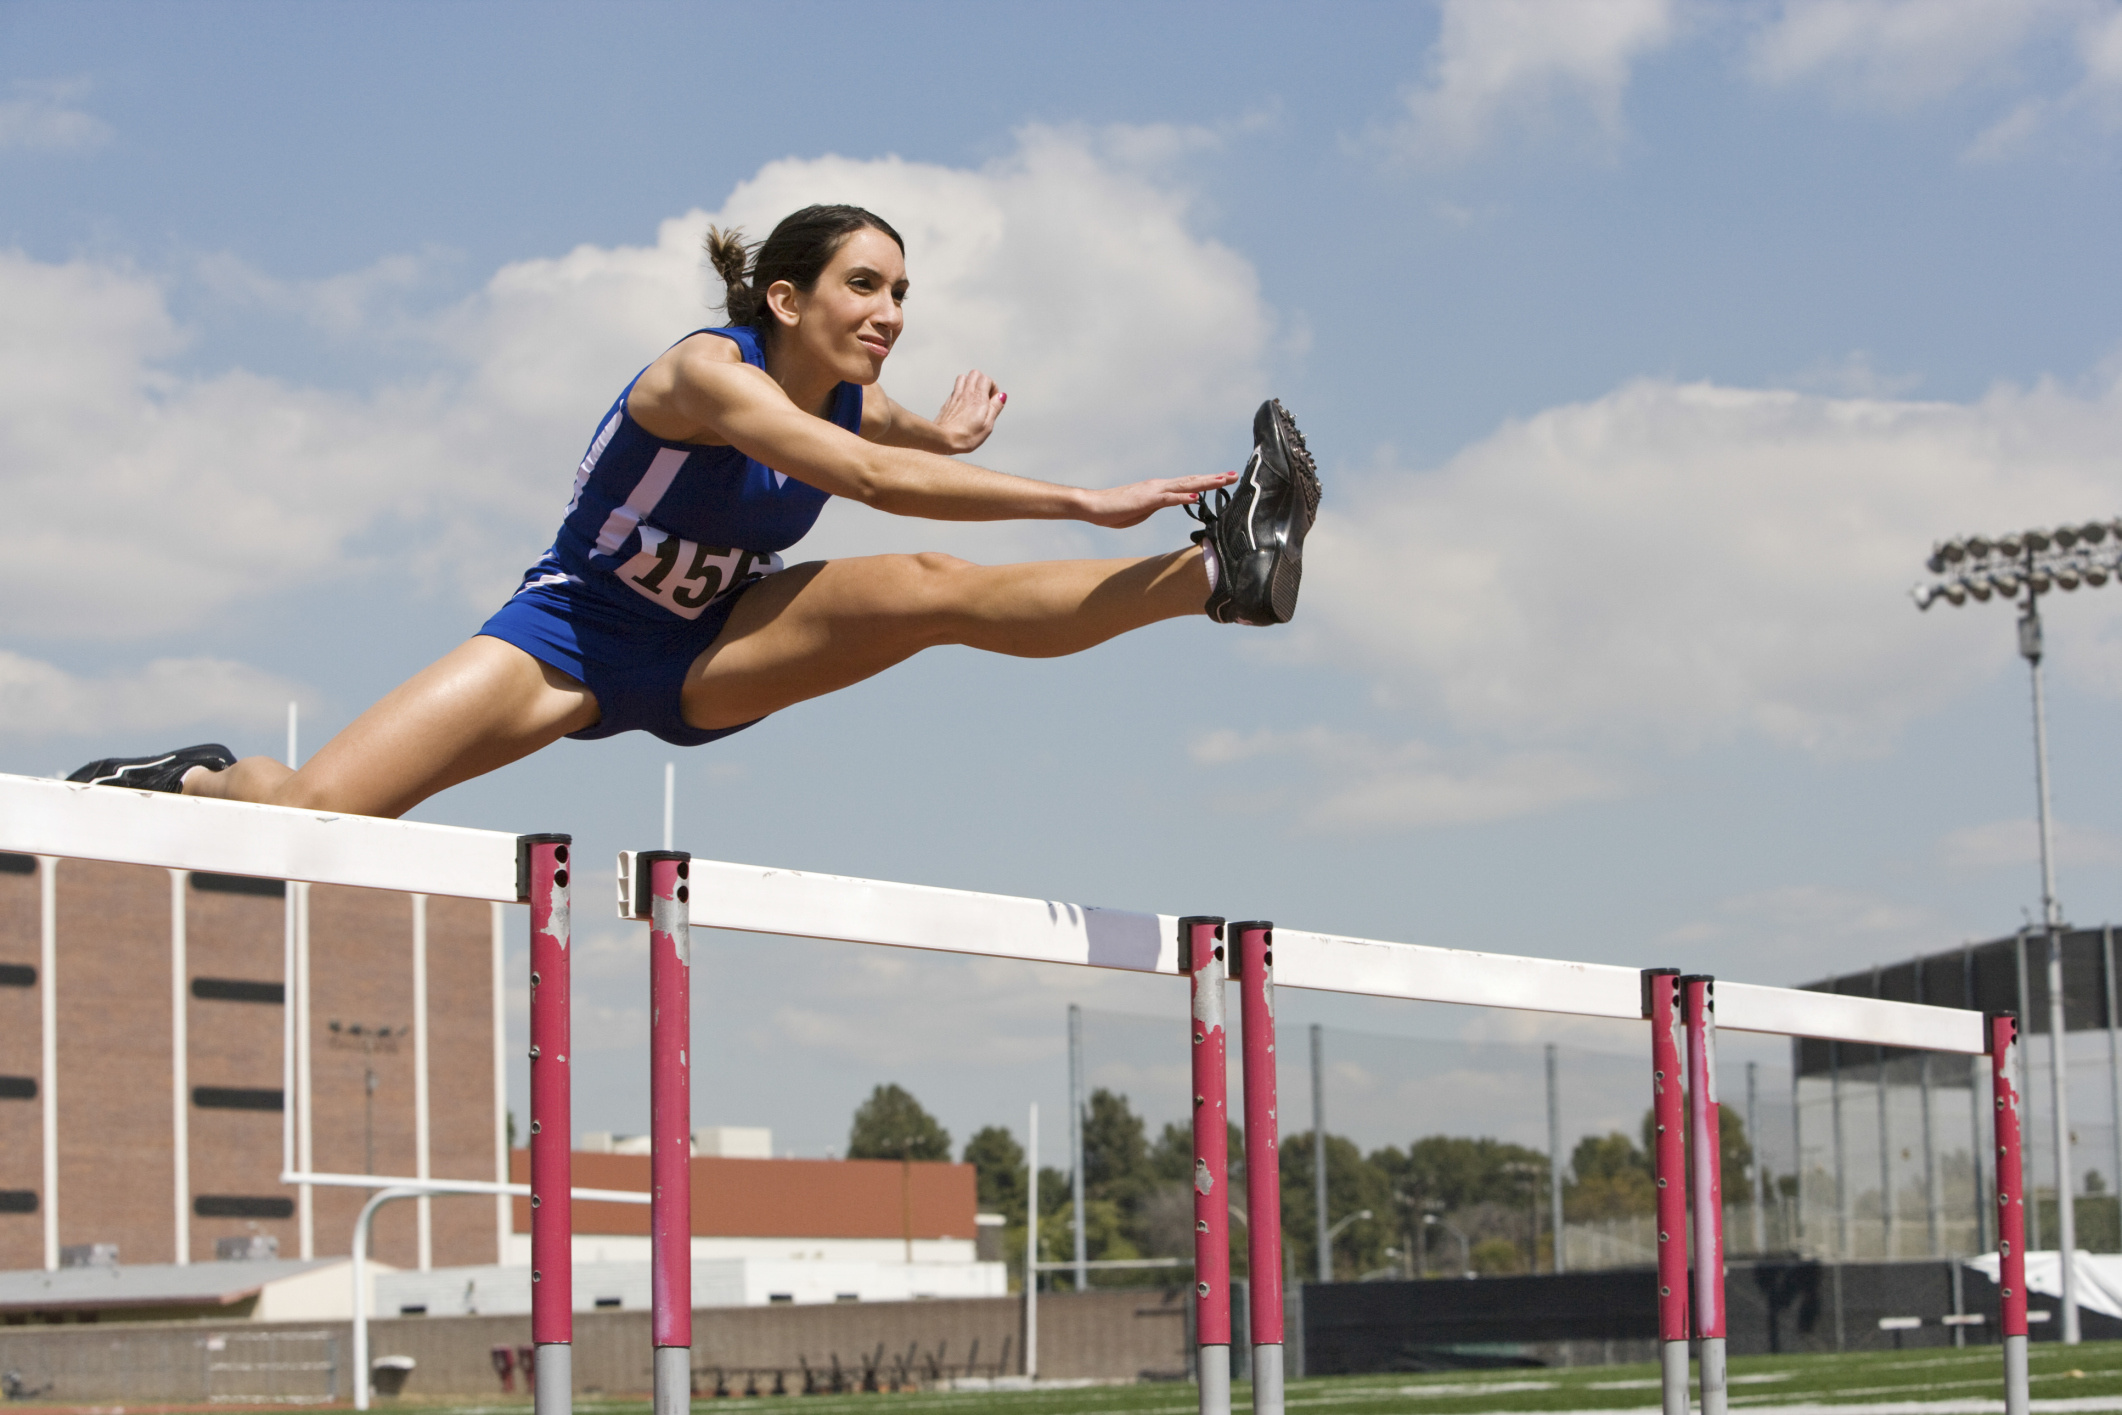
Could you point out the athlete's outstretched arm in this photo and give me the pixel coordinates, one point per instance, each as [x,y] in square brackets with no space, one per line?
[732,402]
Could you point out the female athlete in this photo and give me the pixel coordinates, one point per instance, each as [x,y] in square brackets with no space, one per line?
[663,606]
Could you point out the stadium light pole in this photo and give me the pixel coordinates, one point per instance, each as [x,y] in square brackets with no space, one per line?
[2037,562]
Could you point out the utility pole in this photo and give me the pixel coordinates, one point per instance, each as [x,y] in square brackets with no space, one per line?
[368,1038]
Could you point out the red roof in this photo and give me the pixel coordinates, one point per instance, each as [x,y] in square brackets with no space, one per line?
[789,1198]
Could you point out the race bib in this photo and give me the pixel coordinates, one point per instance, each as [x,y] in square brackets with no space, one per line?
[685,577]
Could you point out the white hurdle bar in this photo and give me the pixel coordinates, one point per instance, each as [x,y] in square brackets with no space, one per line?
[757,899]
[73,820]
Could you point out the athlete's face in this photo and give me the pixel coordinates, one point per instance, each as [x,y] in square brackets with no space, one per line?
[850,319]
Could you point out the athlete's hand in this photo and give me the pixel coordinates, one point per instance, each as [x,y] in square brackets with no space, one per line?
[969,413]
[1122,506]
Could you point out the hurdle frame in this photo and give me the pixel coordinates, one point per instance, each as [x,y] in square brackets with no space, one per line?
[758,899]
[1201,943]
[55,820]
[1668,1167]
[2003,1031]
[1705,1184]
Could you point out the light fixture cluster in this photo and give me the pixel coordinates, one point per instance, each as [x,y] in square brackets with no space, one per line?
[1977,567]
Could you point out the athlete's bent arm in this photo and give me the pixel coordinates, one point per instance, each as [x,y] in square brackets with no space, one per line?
[967,418]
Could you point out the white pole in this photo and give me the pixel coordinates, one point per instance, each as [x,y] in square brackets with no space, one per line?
[1758,1178]
[1323,1240]
[670,802]
[294,759]
[1554,1155]
[422,1149]
[180,1119]
[48,1026]
[361,1295]
[288,981]
[1076,1103]
[1931,1200]
[305,1131]
[2114,1055]
[1031,1249]
[503,1207]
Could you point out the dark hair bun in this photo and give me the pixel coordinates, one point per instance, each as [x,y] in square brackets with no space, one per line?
[798,251]
[730,256]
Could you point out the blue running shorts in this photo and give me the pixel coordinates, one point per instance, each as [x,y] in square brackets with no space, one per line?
[633,661]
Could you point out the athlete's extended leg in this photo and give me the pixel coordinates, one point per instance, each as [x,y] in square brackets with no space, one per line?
[479,707]
[815,628]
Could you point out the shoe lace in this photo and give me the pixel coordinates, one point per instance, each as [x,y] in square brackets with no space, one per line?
[1206,513]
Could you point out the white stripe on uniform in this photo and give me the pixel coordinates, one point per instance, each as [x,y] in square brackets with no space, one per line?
[589,459]
[647,492]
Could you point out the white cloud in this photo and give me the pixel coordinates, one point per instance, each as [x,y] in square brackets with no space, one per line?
[355,302]
[1070,269]
[2062,59]
[1799,933]
[42,117]
[1678,563]
[2016,844]
[2093,105]
[1529,64]
[1358,784]
[40,700]
[1899,52]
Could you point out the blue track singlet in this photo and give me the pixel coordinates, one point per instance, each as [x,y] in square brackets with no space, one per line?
[659,542]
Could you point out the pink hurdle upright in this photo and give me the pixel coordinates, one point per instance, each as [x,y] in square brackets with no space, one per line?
[1705,1188]
[542,882]
[670,955]
[2011,1212]
[1254,944]
[1661,1005]
[1201,959]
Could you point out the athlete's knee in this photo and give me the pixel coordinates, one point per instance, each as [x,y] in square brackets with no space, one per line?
[936,564]
[934,584]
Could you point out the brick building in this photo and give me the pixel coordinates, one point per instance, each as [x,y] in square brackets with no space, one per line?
[143,1019]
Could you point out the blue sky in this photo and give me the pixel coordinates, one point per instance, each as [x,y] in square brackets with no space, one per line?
[1647,346]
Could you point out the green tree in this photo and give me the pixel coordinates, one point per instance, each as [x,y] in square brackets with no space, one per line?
[1493,1257]
[891,1125]
[1609,1178]
[1115,1150]
[998,1160]
[1353,1184]
[1171,1155]
[1456,1172]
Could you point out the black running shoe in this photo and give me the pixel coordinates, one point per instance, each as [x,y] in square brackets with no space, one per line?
[1256,530]
[159,773]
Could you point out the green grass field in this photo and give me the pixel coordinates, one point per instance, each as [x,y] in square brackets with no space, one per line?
[2087,1377]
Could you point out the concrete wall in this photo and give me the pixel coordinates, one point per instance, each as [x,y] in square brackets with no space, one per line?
[1119,1335]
